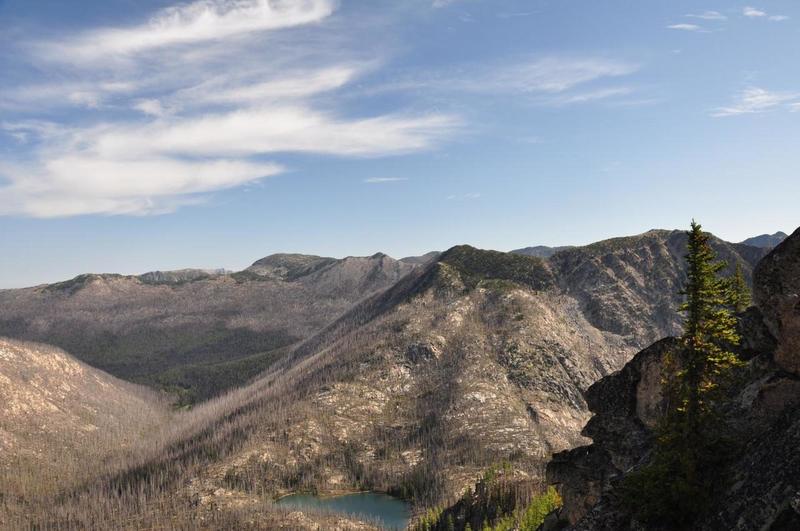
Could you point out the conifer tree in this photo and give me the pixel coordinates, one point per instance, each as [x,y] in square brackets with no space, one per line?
[740,292]
[677,484]
[709,330]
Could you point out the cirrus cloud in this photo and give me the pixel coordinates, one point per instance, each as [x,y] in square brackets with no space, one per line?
[188,104]
[753,100]
[202,20]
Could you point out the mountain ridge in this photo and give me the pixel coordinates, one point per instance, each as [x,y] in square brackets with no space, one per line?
[199,334]
[476,358]
[759,483]
[766,240]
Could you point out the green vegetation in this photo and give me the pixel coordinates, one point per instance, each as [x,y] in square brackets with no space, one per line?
[476,265]
[193,383]
[196,362]
[498,503]
[740,291]
[531,517]
[683,475]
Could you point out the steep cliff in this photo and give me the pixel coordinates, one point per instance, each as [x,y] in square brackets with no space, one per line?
[764,486]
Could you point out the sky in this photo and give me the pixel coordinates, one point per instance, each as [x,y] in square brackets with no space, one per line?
[140,135]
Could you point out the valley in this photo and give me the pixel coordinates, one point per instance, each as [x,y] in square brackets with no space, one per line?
[407,377]
[419,265]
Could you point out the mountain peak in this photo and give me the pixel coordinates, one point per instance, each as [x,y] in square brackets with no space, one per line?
[422,259]
[541,251]
[475,265]
[766,240]
[179,275]
[288,266]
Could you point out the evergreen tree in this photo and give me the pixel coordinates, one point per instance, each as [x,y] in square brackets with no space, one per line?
[684,471]
[709,330]
[740,292]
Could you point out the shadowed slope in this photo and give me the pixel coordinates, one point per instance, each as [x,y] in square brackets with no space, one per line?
[194,332]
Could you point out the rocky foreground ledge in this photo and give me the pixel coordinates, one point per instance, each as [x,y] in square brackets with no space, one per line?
[763,411]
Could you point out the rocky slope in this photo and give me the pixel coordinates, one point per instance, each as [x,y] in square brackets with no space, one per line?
[764,490]
[70,433]
[478,358]
[630,286]
[198,332]
[57,414]
[475,358]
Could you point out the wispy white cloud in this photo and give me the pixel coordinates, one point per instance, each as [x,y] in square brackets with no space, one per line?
[290,86]
[463,197]
[592,95]
[202,20]
[551,74]
[273,129]
[150,107]
[686,27]
[87,94]
[758,100]
[79,184]
[380,180]
[167,123]
[546,80]
[125,168]
[708,15]
[515,14]
[752,12]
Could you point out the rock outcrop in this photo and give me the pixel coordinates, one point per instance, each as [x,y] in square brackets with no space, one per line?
[777,293]
[762,411]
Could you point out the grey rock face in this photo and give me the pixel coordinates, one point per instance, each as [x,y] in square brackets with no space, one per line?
[630,286]
[626,406]
[776,290]
[763,412]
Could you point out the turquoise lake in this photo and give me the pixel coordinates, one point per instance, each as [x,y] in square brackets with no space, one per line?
[392,513]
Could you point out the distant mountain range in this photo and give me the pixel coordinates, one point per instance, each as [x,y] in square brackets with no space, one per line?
[541,251]
[766,240]
[195,332]
[406,376]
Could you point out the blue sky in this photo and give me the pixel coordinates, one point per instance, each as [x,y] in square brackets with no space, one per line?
[149,134]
